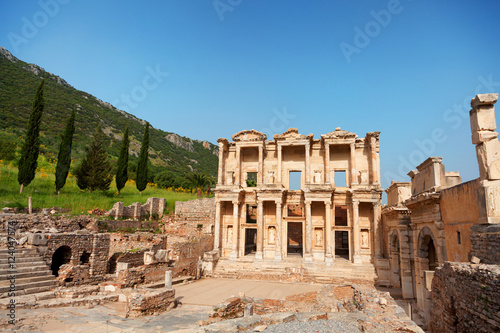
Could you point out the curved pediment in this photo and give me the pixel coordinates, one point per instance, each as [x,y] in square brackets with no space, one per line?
[292,134]
[249,135]
[339,134]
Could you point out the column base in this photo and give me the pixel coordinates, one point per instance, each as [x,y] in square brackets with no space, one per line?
[233,255]
[329,260]
[278,256]
[258,255]
[357,259]
[308,257]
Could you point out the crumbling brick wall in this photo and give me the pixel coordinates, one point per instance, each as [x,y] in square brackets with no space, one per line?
[485,241]
[186,254]
[27,222]
[465,298]
[196,212]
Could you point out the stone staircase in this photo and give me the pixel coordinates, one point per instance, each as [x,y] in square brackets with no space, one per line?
[295,269]
[32,273]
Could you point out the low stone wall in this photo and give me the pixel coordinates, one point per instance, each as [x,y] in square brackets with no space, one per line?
[186,254]
[142,274]
[485,241]
[196,212]
[44,223]
[147,303]
[127,225]
[152,209]
[465,298]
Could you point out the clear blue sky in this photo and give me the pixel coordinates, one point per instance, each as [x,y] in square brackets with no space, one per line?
[405,68]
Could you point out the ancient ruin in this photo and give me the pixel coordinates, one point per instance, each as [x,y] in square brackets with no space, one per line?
[297,196]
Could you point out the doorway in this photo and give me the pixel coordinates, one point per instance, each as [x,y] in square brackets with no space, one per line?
[60,257]
[294,239]
[250,240]
[342,244]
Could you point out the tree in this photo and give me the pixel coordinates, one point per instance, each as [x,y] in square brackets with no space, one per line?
[142,167]
[122,170]
[199,181]
[64,156]
[94,172]
[31,146]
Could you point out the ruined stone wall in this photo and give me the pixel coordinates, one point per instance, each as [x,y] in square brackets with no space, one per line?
[97,245]
[111,225]
[199,211]
[27,222]
[465,298]
[152,209]
[142,274]
[485,241]
[186,254]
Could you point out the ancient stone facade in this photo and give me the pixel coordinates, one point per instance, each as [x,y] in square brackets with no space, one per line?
[437,218]
[297,196]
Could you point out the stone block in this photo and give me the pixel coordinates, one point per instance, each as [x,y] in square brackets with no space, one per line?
[475,260]
[38,239]
[161,256]
[428,275]
[489,202]
[149,258]
[278,318]
[488,158]
[484,99]
[483,136]
[483,119]
[248,310]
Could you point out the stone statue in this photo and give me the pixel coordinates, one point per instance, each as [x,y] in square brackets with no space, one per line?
[270,177]
[229,178]
[364,239]
[364,176]
[229,236]
[317,176]
[272,235]
[319,239]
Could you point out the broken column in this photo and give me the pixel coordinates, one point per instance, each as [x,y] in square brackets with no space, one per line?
[483,126]
[168,279]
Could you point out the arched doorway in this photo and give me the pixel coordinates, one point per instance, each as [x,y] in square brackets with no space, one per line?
[60,257]
[85,258]
[427,249]
[394,257]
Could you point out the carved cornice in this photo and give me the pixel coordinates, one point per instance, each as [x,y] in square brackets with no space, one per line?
[249,135]
[292,134]
[339,134]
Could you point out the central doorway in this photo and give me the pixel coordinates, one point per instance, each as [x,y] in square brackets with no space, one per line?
[294,239]
[250,240]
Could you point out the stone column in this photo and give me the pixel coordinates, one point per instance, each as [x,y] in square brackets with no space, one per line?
[168,279]
[308,245]
[277,253]
[327,163]
[217,226]
[279,164]
[260,178]
[356,233]
[377,235]
[260,230]
[373,148]
[308,163]
[237,176]
[328,233]
[221,163]
[354,171]
[234,249]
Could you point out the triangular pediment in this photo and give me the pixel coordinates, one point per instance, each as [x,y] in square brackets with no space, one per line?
[339,134]
[292,134]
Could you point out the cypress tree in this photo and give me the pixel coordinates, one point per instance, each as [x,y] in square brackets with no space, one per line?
[142,167]
[31,146]
[94,172]
[122,170]
[64,156]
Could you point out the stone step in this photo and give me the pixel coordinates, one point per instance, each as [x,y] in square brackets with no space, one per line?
[18,259]
[26,269]
[22,265]
[35,301]
[6,276]
[26,288]
[25,280]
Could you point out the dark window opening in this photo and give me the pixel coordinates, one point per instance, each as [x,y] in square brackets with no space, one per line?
[459,238]
[295,210]
[341,216]
[85,258]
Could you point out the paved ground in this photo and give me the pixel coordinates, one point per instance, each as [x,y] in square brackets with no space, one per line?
[197,298]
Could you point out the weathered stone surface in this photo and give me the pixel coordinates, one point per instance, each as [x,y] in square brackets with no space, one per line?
[484,99]
[483,136]
[149,302]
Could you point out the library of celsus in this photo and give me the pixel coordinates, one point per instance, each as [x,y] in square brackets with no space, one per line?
[297,196]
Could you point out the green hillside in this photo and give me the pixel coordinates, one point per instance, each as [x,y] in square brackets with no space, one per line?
[18,83]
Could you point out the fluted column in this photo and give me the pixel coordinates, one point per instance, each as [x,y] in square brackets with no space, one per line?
[308,245]
[327,163]
[277,253]
[328,233]
[356,233]
[234,249]
[217,226]
[377,230]
[354,171]
[260,229]
[279,164]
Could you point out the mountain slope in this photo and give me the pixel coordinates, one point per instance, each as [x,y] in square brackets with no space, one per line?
[18,82]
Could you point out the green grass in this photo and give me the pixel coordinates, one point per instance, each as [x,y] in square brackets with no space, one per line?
[42,191]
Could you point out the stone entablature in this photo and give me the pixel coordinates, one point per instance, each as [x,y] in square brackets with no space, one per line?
[260,212]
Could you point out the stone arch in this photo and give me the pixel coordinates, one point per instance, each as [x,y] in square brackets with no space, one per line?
[85,258]
[427,248]
[395,258]
[60,257]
